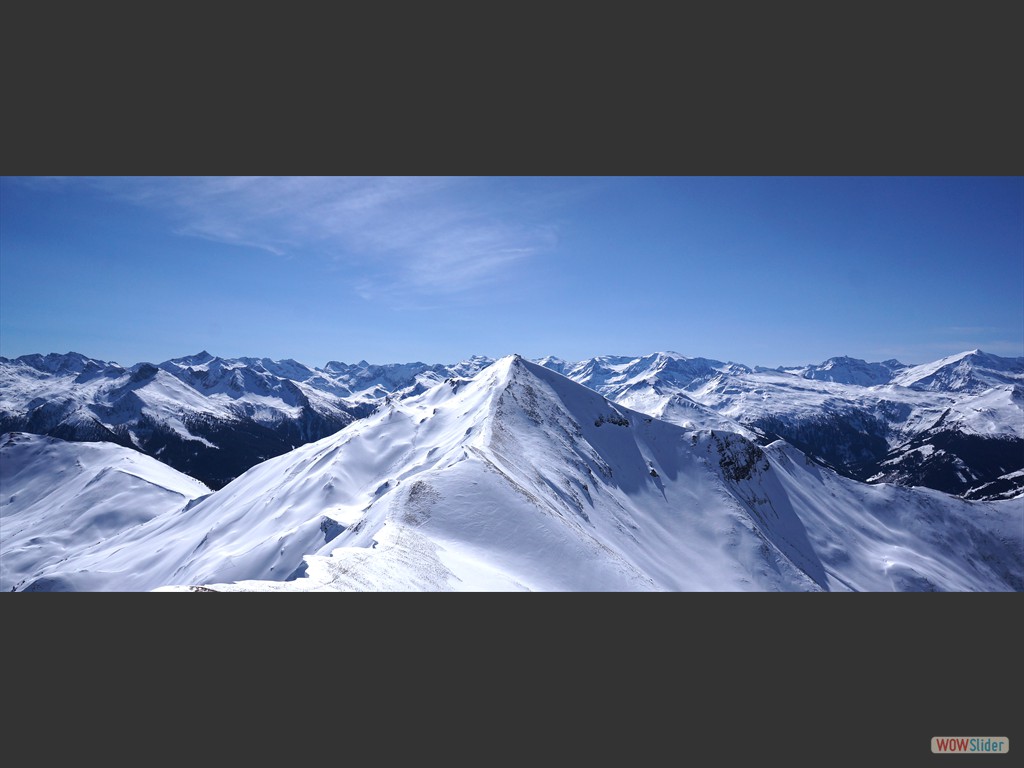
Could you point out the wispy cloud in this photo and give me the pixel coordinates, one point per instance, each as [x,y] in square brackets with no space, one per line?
[419,236]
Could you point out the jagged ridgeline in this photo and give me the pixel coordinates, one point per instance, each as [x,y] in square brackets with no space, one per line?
[512,478]
[208,417]
[954,425]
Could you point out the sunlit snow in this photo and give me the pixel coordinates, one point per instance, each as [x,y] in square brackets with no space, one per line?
[518,478]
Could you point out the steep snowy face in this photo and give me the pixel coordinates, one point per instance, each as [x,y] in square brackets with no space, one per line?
[658,385]
[884,537]
[520,479]
[262,524]
[214,417]
[801,512]
[70,364]
[368,383]
[971,372]
[58,498]
[244,382]
[850,370]
[865,419]
[204,415]
[501,481]
[974,448]
[611,374]
[955,425]
[208,416]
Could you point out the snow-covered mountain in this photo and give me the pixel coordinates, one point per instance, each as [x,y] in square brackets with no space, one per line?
[956,425]
[210,417]
[518,478]
[57,498]
[972,372]
[850,370]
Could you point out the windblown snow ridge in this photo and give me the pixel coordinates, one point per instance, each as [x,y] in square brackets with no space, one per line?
[516,477]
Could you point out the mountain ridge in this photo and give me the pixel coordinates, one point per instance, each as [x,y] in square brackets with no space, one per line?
[216,417]
[519,478]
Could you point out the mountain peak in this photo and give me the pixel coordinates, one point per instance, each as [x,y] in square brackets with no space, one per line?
[970,371]
[508,473]
[198,359]
[56,363]
[852,370]
[504,367]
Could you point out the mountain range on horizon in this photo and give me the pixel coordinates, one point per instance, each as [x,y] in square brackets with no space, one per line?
[614,474]
[954,424]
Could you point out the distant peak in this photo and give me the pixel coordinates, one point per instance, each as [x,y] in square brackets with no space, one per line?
[962,356]
[61,363]
[200,359]
[507,367]
[505,362]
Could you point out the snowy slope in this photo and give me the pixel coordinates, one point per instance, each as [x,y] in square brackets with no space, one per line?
[58,497]
[201,415]
[369,383]
[850,370]
[956,425]
[861,418]
[208,416]
[915,395]
[521,479]
[972,372]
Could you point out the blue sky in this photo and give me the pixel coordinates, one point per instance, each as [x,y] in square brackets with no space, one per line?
[764,270]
